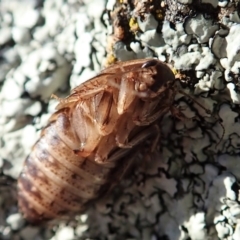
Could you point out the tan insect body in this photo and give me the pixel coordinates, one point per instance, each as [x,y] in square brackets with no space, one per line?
[91,136]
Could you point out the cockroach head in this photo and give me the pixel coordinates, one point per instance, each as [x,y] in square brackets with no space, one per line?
[158,75]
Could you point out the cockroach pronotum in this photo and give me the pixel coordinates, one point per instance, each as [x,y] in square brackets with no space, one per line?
[90,137]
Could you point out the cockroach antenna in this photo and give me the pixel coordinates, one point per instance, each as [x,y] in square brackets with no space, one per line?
[208,112]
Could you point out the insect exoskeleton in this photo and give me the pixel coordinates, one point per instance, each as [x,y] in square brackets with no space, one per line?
[93,131]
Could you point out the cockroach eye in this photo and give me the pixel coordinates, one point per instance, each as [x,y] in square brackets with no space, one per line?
[150,63]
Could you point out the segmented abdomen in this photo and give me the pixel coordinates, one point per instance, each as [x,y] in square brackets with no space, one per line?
[61,176]
[55,181]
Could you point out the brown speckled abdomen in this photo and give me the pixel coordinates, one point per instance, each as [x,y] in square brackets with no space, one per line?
[90,134]
[55,181]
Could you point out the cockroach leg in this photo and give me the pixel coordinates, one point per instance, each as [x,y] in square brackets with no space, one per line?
[208,112]
[156,130]
[81,153]
[177,113]
[147,120]
[57,98]
[123,145]
[148,132]
[199,104]
[88,93]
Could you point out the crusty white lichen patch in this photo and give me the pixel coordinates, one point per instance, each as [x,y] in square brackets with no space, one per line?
[188,188]
[201,28]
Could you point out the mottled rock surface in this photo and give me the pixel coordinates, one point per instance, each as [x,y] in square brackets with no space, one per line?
[189,187]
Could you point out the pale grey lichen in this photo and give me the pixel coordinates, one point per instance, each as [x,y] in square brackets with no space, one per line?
[149,23]
[201,28]
[175,37]
[188,188]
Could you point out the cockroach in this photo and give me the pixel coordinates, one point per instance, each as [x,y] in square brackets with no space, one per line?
[91,136]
